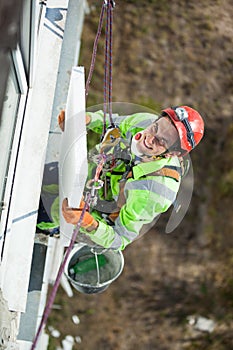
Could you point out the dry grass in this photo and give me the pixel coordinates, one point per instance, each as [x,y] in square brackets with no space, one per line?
[168,53]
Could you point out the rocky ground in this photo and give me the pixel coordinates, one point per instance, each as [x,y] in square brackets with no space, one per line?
[168,53]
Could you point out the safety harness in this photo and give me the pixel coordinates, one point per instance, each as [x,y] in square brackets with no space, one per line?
[167,171]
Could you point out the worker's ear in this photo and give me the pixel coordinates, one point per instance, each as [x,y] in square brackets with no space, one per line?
[173,153]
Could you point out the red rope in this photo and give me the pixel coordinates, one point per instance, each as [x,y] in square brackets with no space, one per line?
[92,66]
[52,296]
[108,65]
[110,10]
[107,5]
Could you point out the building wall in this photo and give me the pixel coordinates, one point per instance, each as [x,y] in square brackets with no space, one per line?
[39,66]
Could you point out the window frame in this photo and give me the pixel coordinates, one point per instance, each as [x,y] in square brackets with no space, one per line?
[17,69]
[24,76]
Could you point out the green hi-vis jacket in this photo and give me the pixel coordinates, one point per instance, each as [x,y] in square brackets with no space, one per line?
[146,195]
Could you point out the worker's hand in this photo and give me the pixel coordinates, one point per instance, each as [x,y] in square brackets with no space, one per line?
[72,216]
[88,119]
[61,119]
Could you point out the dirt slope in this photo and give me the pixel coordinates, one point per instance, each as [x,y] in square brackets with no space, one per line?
[169,53]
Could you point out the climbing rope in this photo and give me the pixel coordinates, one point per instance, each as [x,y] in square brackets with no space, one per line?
[59,275]
[89,200]
[110,9]
[107,6]
[93,58]
[108,66]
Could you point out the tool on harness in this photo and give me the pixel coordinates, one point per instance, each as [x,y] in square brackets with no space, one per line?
[111,138]
[95,184]
[114,150]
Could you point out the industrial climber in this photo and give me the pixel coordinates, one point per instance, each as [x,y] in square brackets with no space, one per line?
[143,175]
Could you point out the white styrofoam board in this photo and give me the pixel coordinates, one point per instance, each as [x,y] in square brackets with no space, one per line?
[73,152]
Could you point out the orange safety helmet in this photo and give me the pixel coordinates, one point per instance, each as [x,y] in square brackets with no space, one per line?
[189,125]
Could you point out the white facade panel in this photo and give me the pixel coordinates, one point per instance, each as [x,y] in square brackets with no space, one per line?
[53,52]
[28,175]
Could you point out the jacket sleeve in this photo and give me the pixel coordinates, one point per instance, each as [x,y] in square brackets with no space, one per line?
[142,206]
[131,218]
[131,123]
[96,123]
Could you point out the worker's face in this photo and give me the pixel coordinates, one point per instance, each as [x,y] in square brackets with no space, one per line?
[158,137]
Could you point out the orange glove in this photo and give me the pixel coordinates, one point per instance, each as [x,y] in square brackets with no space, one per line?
[88,119]
[72,216]
[61,119]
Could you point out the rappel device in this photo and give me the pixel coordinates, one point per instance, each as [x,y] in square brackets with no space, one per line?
[111,138]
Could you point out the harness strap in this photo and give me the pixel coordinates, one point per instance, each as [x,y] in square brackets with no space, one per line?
[168,172]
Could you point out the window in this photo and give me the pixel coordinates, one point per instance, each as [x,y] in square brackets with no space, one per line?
[8,122]
[19,80]
[29,24]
